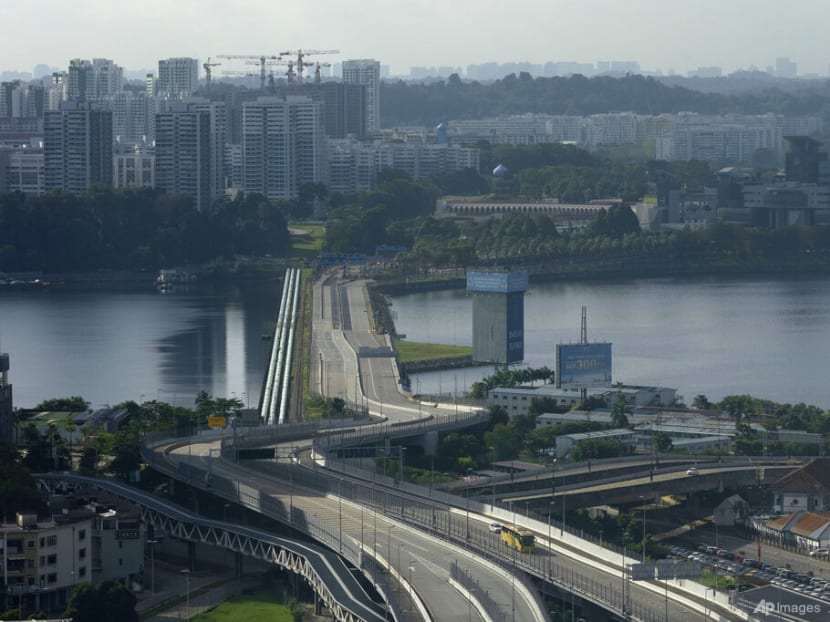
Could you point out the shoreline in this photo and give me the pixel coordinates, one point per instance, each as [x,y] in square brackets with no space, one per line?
[613,273]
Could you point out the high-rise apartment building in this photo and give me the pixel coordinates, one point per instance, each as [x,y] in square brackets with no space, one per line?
[183,153]
[218,121]
[134,117]
[283,145]
[77,147]
[178,77]
[80,80]
[6,414]
[344,107]
[366,71]
[107,79]
[94,81]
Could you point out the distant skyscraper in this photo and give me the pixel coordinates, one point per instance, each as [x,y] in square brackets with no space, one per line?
[94,81]
[77,146]
[107,77]
[178,77]
[133,117]
[344,107]
[785,68]
[218,133]
[6,414]
[366,71]
[283,145]
[80,80]
[41,71]
[183,153]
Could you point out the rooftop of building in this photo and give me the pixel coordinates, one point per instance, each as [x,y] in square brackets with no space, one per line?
[812,478]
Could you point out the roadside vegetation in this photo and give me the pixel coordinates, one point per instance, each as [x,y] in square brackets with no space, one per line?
[412,351]
[264,605]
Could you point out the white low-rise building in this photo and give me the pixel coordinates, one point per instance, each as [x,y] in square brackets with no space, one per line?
[517,400]
[45,558]
[565,443]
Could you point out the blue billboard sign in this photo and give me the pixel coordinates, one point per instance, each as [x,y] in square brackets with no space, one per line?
[583,365]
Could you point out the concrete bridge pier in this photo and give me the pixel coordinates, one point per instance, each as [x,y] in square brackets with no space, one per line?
[237,565]
[429,442]
[191,555]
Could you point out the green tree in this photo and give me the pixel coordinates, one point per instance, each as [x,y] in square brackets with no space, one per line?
[126,452]
[18,490]
[109,600]
[618,412]
[662,442]
[701,402]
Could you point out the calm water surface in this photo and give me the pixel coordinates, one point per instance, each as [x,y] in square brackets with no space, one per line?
[110,347]
[716,336]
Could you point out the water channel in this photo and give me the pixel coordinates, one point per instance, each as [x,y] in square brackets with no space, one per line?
[769,337]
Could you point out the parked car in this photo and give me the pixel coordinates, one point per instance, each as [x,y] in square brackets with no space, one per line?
[820,553]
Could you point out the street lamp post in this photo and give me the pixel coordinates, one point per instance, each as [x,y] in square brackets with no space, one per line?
[493,476]
[644,527]
[550,540]
[152,542]
[411,589]
[186,573]
[389,545]
[340,513]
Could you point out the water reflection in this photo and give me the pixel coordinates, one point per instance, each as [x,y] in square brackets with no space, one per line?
[110,347]
[716,336]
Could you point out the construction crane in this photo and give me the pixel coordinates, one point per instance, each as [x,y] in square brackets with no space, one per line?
[208,66]
[262,59]
[317,71]
[289,72]
[301,54]
[240,74]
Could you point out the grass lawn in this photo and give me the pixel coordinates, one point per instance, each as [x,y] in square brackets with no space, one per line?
[720,580]
[308,244]
[260,606]
[413,351]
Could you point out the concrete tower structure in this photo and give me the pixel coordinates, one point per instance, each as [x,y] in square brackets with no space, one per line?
[283,145]
[366,71]
[77,147]
[498,316]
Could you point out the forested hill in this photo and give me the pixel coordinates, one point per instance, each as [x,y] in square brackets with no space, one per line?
[405,103]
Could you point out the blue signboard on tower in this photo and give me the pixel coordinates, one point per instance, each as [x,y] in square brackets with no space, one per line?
[583,365]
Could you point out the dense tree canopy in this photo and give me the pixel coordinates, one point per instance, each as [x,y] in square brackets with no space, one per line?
[131,229]
[109,600]
[426,103]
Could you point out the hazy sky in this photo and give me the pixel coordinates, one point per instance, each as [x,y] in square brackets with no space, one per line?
[660,34]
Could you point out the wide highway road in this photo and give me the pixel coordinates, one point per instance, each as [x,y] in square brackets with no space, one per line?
[342,326]
[419,559]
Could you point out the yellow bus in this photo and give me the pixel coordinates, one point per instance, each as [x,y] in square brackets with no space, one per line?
[519,538]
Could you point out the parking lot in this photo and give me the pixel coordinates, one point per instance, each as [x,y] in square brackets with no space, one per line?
[790,574]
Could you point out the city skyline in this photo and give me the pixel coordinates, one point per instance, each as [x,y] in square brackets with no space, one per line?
[737,35]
